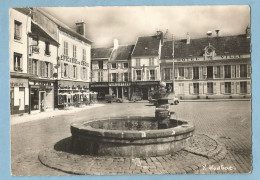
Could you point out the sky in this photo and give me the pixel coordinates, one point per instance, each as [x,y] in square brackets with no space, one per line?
[126,23]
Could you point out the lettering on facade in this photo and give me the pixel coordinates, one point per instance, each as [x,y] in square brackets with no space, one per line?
[16,84]
[202,58]
[119,84]
[73,60]
[41,83]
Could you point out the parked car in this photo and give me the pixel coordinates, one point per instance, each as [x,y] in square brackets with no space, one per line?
[174,101]
[111,98]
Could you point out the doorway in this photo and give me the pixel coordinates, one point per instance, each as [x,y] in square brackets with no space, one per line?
[145,93]
[21,98]
[42,100]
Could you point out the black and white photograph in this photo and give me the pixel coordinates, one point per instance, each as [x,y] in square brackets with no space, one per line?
[127,90]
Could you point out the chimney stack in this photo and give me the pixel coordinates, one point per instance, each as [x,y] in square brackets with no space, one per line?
[188,38]
[209,34]
[115,43]
[80,27]
[217,32]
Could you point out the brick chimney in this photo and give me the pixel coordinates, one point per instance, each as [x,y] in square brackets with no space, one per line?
[80,28]
[188,38]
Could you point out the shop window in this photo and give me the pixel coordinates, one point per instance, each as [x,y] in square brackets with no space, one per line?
[243,70]
[34,99]
[17,62]
[17,30]
[125,65]
[217,72]
[168,73]
[196,88]
[209,72]
[84,55]
[66,49]
[46,64]
[114,77]
[66,70]
[195,72]
[138,63]
[34,66]
[100,76]
[74,71]
[152,74]
[210,88]
[74,51]
[243,87]
[227,70]
[100,64]
[228,87]
[138,75]
[181,72]
[47,49]
[125,76]
[151,61]
[114,65]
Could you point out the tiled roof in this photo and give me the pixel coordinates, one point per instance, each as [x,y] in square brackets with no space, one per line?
[101,52]
[223,45]
[123,52]
[147,46]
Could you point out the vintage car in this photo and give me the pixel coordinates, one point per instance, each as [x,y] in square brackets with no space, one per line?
[111,98]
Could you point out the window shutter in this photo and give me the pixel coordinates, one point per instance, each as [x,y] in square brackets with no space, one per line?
[205,71]
[214,88]
[43,69]
[200,72]
[191,73]
[248,87]
[232,88]
[222,88]
[78,72]
[155,74]
[134,75]
[69,71]
[191,88]
[30,70]
[221,71]
[233,71]
[248,70]
[186,73]
[238,87]
[147,75]
[62,69]
[51,70]
[109,77]
[238,71]
[205,88]
[214,71]
[116,77]
[101,76]
[81,73]
[200,88]
[176,72]
[122,76]
[171,74]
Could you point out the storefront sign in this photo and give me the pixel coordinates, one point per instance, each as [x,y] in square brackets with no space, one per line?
[145,83]
[99,84]
[17,82]
[119,84]
[215,58]
[73,60]
[40,83]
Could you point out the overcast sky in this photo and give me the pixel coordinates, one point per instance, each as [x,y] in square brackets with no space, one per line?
[103,24]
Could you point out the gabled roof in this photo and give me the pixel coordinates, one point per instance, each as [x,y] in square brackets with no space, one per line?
[223,45]
[147,46]
[123,52]
[101,53]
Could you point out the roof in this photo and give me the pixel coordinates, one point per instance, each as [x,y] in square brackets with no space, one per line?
[123,52]
[36,29]
[223,45]
[101,52]
[147,46]
[25,10]
[65,28]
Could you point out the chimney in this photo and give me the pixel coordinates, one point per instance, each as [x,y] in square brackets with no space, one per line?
[80,27]
[188,38]
[248,32]
[217,32]
[209,34]
[115,43]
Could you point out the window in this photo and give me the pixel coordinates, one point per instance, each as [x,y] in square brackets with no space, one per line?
[181,72]
[210,72]
[113,65]
[17,30]
[151,61]
[243,87]
[196,88]
[74,51]
[138,62]
[138,75]
[227,69]
[46,69]
[113,77]
[100,64]
[74,71]
[34,66]
[100,76]
[195,72]
[84,73]
[152,75]
[125,76]
[210,88]
[66,70]
[168,73]
[217,72]
[228,87]
[125,65]
[84,55]
[243,70]
[66,50]
[47,49]
[17,62]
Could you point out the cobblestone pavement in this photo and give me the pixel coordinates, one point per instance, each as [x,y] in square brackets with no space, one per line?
[227,122]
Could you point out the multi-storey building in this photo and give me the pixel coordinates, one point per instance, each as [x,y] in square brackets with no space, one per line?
[145,65]
[213,67]
[20,26]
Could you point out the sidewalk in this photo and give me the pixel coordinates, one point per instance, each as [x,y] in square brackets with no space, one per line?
[17,119]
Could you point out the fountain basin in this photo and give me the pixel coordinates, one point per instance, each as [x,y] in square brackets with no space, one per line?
[130,137]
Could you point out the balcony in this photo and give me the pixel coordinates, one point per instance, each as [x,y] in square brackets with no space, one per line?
[18,69]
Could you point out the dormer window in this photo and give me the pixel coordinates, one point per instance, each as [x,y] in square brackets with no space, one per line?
[209,52]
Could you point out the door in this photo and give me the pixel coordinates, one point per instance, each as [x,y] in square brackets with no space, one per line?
[145,93]
[42,100]
[120,92]
[21,99]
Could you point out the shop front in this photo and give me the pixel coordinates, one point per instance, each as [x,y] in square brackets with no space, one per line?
[101,88]
[19,95]
[120,89]
[71,93]
[144,89]
[41,95]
